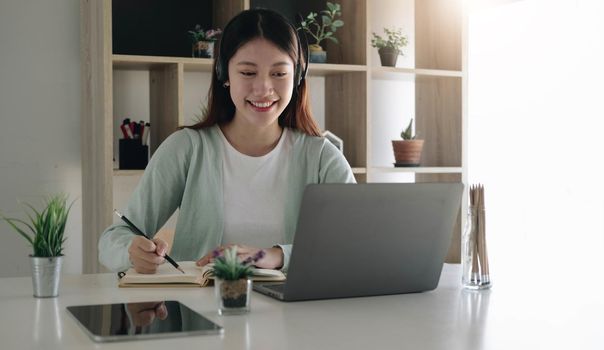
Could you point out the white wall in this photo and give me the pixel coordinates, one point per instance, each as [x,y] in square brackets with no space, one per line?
[39,120]
[392,101]
[535,137]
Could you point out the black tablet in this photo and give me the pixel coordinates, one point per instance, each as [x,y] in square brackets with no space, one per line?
[141,320]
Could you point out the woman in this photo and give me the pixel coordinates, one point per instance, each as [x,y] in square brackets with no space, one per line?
[238,176]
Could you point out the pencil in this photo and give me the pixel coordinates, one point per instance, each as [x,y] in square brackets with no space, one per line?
[140,233]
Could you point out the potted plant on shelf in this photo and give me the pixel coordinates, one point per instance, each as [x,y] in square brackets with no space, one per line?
[203,41]
[322,31]
[408,151]
[391,47]
[46,236]
[232,281]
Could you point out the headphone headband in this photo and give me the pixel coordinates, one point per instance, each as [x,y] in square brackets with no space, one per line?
[222,67]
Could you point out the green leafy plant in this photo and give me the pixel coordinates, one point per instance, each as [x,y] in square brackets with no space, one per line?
[199,34]
[394,40]
[407,133]
[46,228]
[228,267]
[327,26]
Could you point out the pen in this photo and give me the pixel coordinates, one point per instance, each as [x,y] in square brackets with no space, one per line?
[140,233]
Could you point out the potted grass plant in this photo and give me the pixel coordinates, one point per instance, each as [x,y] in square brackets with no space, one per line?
[408,151]
[390,47]
[321,29]
[45,233]
[232,281]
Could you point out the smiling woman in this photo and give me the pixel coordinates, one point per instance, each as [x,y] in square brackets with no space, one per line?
[261,86]
[237,177]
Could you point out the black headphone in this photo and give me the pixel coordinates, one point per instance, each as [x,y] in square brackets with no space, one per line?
[222,74]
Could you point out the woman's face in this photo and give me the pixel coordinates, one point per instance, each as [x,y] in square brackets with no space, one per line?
[261,79]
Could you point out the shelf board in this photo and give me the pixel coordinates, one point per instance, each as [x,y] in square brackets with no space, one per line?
[423,170]
[392,73]
[359,170]
[137,62]
[324,69]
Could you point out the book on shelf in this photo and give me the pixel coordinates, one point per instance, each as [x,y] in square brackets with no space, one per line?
[194,276]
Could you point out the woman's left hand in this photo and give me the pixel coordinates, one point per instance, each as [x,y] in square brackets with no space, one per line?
[273,259]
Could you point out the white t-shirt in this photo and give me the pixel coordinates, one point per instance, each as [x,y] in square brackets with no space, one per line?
[254,194]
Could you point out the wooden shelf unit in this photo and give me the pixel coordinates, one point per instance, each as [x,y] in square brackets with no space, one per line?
[439,77]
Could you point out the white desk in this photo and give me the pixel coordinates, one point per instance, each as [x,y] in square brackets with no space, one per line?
[507,317]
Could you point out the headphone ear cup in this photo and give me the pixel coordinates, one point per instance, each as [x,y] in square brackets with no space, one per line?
[303,52]
[220,71]
[298,75]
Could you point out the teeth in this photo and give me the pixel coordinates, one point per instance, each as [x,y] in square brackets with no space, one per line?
[261,104]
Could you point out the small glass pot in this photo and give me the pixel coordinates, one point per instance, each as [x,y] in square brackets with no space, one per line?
[233,297]
[203,49]
[474,258]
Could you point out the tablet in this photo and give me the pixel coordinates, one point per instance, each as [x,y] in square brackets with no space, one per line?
[141,320]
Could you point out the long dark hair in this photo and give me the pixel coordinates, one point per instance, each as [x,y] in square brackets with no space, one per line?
[274,27]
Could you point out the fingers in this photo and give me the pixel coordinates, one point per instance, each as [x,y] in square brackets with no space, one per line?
[161,311]
[161,246]
[244,253]
[246,250]
[143,255]
[144,314]
[145,317]
[208,258]
[203,261]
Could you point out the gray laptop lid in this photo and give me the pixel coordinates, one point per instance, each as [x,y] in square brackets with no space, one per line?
[371,239]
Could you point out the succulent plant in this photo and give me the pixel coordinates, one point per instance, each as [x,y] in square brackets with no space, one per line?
[228,267]
[407,133]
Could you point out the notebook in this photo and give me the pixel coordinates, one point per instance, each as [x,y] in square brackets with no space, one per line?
[194,276]
[356,240]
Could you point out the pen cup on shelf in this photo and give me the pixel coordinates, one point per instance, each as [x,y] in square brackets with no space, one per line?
[475,263]
[133,154]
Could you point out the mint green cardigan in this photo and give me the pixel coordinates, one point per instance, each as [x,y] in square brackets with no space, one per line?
[186,173]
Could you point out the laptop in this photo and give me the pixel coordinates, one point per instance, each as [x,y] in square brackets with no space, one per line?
[355,240]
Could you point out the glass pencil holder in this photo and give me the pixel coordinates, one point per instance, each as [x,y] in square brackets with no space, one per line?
[474,257]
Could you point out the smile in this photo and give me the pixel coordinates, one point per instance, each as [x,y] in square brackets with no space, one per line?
[264,105]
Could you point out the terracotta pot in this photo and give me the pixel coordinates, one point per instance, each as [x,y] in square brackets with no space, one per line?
[407,153]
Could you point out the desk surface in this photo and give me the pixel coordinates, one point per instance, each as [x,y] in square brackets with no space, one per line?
[506,317]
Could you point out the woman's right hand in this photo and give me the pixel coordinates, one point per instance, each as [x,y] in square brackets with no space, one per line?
[146,255]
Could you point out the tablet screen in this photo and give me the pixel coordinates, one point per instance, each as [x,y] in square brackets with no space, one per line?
[142,320]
